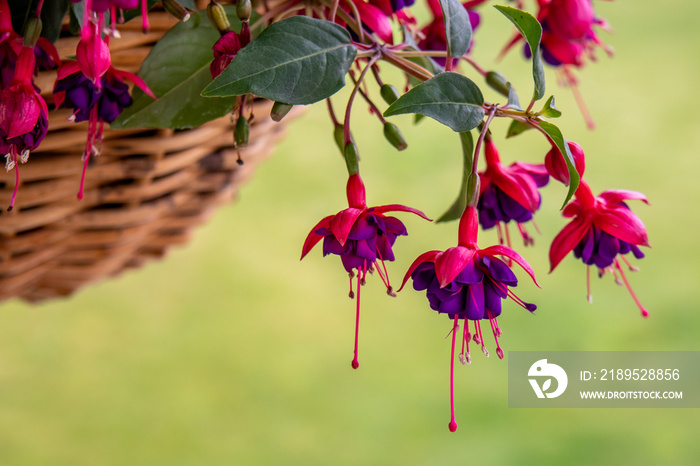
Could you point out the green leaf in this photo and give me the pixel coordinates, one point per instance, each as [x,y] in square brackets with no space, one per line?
[450,98]
[298,60]
[550,110]
[556,137]
[455,212]
[458,28]
[176,70]
[531,30]
[516,127]
[500,83]
[52,16]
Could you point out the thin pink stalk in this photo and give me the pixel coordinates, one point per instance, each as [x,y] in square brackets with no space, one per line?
[453,425]
[645,313]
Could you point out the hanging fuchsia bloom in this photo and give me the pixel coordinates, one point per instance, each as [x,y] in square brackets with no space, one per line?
[434,32]
[23,117]
[509,193]
[11,44]
[468,283]
[363,237]
[98,102]
[226,48]
[568,37]
[602,231]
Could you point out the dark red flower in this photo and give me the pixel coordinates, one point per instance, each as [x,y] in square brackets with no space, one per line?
[602,231]
[362,236]
[23,117]
[468,283]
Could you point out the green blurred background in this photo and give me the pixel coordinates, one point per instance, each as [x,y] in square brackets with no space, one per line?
[231,351]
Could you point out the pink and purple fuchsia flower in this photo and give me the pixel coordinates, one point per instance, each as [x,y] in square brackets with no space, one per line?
[509,194]
[602,232]
[93,88]
[468,283]
[23,117]
[363,237]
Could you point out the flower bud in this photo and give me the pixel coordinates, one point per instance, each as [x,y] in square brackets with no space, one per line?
[556,165]
[389,93]
[394,136]
[175,9]
[473,189]
[352,158]
[217,17]
[241,132]
[339,136]
[498,82]
[32,32]
[243,9]
[280,110]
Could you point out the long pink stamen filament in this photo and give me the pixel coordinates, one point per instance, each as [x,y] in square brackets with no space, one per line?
[499,233]
[535,226]
[589,296]
[360,277]
[13,151]
[645,313]
[92,127]
[509,293]
[631,267]
[385,276]
[496,332]
[453,425]
[579,99]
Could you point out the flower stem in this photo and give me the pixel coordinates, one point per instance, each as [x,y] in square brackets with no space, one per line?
[455,328]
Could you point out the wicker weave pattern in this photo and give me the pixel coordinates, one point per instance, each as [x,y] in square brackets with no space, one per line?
[145,193]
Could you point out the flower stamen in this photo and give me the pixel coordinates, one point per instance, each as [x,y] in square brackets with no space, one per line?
[453,424]
[645,313]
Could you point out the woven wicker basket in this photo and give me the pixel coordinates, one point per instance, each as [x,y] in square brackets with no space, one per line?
[144,193]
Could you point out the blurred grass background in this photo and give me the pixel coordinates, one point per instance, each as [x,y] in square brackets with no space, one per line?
[231,351]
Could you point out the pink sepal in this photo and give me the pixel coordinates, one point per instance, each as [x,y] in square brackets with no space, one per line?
[510,254]
[425,257]
[313,238]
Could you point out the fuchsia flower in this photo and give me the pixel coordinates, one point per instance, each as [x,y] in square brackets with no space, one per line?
[509,193]
[434,32]
[94,89]
[468,283]
[568,36]
[23,117]
[11,44]
[363,238]
[226,48]
[602,231]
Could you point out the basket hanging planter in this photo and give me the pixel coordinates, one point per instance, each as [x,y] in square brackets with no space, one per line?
[145,193]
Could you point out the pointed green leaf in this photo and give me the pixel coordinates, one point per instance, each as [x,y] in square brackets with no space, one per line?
[458,28]
[500,83]
[176,70]
[455,212]
[516,127]
[531,30]
[557,138]
[550,110]
[298,60]
[450,98]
